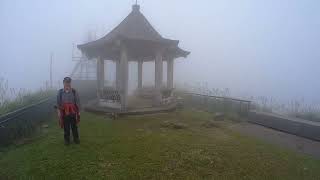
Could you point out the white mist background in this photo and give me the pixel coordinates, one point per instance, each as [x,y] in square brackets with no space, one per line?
[254,48]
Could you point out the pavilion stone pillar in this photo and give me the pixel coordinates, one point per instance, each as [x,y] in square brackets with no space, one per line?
[118,75]
[124,78]
[100,75]
[140,64]
[170,64]
[158,77]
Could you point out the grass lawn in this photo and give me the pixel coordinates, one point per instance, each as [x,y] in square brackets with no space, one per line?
[146,147]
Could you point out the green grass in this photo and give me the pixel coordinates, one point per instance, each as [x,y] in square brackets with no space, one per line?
[140,147]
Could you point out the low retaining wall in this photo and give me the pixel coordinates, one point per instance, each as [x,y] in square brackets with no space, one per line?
[299,127]
[25,121]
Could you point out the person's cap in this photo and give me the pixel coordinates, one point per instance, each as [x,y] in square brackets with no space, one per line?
[67,80]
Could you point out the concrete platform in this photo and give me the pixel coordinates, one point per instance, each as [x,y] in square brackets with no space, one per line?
[136,106]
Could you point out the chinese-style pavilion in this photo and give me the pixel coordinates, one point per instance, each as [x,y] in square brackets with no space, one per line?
[134,39]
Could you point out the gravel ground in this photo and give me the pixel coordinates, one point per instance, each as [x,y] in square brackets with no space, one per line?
[296,143]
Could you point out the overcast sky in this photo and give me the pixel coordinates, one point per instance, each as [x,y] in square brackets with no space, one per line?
[254,47]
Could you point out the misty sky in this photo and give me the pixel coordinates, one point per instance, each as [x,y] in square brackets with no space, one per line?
[256,47]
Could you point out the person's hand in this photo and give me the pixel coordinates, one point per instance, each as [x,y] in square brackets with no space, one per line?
[58,107]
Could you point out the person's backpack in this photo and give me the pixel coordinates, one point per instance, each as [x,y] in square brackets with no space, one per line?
[73,92]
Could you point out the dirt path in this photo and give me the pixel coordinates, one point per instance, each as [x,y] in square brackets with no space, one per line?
[296,143]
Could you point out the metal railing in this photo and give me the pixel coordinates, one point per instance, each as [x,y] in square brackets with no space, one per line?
[217,103]
[23,122]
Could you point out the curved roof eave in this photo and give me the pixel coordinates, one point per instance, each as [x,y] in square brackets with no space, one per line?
[135,27]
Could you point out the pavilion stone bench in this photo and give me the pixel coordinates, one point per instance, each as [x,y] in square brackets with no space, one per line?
[146,92]
[150,93]
[167,96]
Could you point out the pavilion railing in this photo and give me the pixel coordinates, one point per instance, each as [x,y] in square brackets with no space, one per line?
[216,103]
[110,94]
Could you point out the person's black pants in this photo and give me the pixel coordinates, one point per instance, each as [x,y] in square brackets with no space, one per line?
[70,123]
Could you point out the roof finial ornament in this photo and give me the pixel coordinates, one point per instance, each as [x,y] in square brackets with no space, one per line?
[136,7]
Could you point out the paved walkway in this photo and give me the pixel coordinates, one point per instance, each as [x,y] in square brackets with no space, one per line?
[296,143]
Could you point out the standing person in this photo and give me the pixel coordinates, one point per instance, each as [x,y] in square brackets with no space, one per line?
[68,103]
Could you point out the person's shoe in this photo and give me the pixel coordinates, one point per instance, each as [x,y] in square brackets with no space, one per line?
[77,141]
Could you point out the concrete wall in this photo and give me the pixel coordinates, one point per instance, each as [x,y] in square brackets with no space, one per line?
[299,127]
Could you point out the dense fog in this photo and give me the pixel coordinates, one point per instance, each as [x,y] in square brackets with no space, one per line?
[253,47]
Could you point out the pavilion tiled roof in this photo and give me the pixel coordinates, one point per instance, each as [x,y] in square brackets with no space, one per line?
[135,27]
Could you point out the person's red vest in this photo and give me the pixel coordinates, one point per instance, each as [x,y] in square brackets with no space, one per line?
[68,109]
